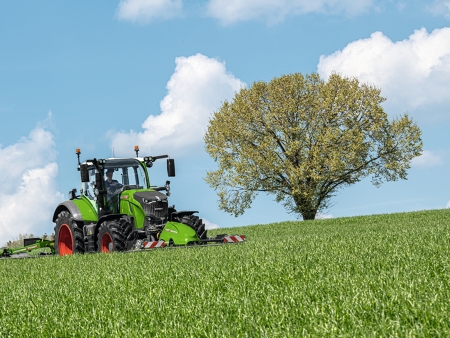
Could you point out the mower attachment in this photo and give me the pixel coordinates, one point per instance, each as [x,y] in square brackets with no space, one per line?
[219,239]
[225,239]
[30,244]
[154,244]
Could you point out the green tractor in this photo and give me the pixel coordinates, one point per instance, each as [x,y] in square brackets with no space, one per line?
[118,210]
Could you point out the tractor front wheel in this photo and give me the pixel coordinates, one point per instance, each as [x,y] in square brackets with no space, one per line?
[195,223]
[68,235]
[112,236]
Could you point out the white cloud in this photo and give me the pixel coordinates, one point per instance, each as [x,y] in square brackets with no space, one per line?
[441,7]
[427,159]
[448,205]
[209,225]
[29,191]
[413,74]
[143,11]
[198,86]
[320,215]
[272,11]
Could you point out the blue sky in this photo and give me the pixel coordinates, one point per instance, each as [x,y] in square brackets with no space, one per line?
[108,75]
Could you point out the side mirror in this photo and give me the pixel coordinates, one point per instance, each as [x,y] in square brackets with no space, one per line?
[84,173]
[72,194]
[171,167]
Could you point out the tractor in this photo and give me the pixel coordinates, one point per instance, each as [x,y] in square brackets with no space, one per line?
[118,210]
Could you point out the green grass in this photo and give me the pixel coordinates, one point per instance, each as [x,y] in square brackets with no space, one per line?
[383,275]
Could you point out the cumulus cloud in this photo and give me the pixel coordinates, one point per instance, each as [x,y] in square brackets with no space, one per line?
[198,87]
[448,205]
[413,73]
[29,190]
[427,159]
[209,225]
[230,11]
[144,11]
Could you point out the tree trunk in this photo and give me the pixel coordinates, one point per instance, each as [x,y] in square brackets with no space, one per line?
[306,209]
[308,215]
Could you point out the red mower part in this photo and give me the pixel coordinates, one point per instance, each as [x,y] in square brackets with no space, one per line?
[107,243]
[233,239]
[65,241]
[154,244]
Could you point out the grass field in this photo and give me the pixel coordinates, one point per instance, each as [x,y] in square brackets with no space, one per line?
[382,275]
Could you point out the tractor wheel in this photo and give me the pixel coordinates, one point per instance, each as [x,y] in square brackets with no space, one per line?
[68,235]
[195,223]
[112,236]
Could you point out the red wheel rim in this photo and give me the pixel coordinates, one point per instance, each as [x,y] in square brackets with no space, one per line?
[107,243]
[65,241]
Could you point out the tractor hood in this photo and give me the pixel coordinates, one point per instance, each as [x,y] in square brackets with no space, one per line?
[153,202]
[149,196]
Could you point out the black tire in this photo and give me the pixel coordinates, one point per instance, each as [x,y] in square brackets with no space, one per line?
[68,235]
[195,223]
[112,236]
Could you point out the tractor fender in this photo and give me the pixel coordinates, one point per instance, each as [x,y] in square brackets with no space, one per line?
[80,209]
[70,207]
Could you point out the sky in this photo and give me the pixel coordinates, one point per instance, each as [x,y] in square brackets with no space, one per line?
[104,76]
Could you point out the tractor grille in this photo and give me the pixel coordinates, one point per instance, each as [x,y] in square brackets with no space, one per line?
[159,209]
[153,203]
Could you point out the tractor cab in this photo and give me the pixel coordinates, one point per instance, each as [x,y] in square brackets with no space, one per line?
[117,175]
[105,181]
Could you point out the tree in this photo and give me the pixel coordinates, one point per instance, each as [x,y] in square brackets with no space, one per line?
[302,139]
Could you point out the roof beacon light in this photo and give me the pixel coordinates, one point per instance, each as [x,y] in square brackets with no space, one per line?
[136,149]
[78,152]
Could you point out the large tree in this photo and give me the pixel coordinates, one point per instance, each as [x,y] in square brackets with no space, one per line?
[302,138]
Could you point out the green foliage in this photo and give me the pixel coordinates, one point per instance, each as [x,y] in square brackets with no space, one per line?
[301,139]
[374,276]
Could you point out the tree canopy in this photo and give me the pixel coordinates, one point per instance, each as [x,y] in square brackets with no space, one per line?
[302,138]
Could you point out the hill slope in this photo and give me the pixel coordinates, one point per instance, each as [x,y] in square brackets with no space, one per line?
[361,276]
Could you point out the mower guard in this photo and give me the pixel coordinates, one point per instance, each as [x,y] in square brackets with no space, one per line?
[219,239]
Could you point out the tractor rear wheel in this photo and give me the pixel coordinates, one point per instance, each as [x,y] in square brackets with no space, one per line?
[195,223]
[68,235]
[112,236]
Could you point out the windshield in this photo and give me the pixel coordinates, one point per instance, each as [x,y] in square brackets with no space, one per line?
[127,172]
[117,173]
